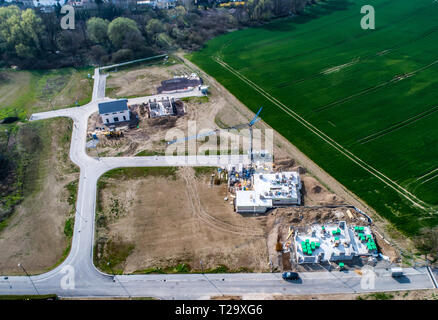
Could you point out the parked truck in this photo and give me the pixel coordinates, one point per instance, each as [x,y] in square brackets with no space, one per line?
[396,272]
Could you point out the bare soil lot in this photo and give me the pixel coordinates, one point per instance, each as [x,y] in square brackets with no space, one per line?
[144,81]
[34,234]
[175,220]
[149,137]
[157,223]
[394,295]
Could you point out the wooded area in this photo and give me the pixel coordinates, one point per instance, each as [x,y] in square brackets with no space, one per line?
[32,39]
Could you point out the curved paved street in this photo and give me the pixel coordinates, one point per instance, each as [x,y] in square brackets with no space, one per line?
[77,276]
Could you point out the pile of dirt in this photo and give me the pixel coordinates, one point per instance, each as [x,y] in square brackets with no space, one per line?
[300,169]
[283,164]
[163,122]
[386,248]
[301,216]
[315,194]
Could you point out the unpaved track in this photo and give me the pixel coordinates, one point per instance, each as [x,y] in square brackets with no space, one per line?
[200,213]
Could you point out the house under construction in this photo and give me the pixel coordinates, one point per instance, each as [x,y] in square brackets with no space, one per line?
[257,192]
[333,242]
[165,107]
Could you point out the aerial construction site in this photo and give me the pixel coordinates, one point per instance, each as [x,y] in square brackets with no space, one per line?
[267,214]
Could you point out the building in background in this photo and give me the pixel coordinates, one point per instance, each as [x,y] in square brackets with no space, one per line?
[161,4]
[181,84]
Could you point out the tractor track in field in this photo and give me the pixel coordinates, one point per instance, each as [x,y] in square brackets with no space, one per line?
[431,178]
[395,79]
[374,172]
[208,219]
[398,125]
[322,27]
[427,174]
[362,59]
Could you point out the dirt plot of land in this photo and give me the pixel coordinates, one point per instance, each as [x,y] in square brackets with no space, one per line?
[394,295]
[34,235]
[165,221]
[143,81]
[181,219]
[149,137]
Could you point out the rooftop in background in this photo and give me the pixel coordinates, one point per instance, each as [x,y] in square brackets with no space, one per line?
[181,83]
[113,106]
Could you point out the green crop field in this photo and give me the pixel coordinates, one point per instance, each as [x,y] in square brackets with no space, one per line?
[363,104]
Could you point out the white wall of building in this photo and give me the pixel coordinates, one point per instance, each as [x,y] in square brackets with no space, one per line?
[115,117]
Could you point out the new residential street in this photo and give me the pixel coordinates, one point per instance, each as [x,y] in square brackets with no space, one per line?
[77,276]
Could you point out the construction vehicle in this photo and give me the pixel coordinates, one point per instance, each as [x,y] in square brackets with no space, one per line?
[111,133]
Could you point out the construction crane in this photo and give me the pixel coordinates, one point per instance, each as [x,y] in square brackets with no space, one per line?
[237,127]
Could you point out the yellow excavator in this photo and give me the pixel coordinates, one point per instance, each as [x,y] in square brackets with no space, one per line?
[113,134]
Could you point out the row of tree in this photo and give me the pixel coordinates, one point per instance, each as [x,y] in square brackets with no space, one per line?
[34,39]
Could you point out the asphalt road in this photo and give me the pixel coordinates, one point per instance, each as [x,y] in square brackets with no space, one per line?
[77,276]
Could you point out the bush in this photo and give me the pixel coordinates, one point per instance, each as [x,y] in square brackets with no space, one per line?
[122,55]
[68,228]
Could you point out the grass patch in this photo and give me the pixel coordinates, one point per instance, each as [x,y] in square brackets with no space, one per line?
[148,153]
[114,252]
[186,268]
[202,171]
[377,296]
[137,172]
[4,224]
[159,61]
[72,189]
[69,226]
[26,92]
[198,100]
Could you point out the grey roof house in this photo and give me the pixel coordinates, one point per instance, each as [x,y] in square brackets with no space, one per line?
[114,111]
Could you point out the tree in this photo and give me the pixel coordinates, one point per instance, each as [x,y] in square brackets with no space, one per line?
[122,32]
[153,27]
[427,243]
[97,30]
[122,55]
[298,6]
[260,9]
[20,32]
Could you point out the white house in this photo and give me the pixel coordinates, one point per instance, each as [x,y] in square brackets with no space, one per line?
[114,111]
